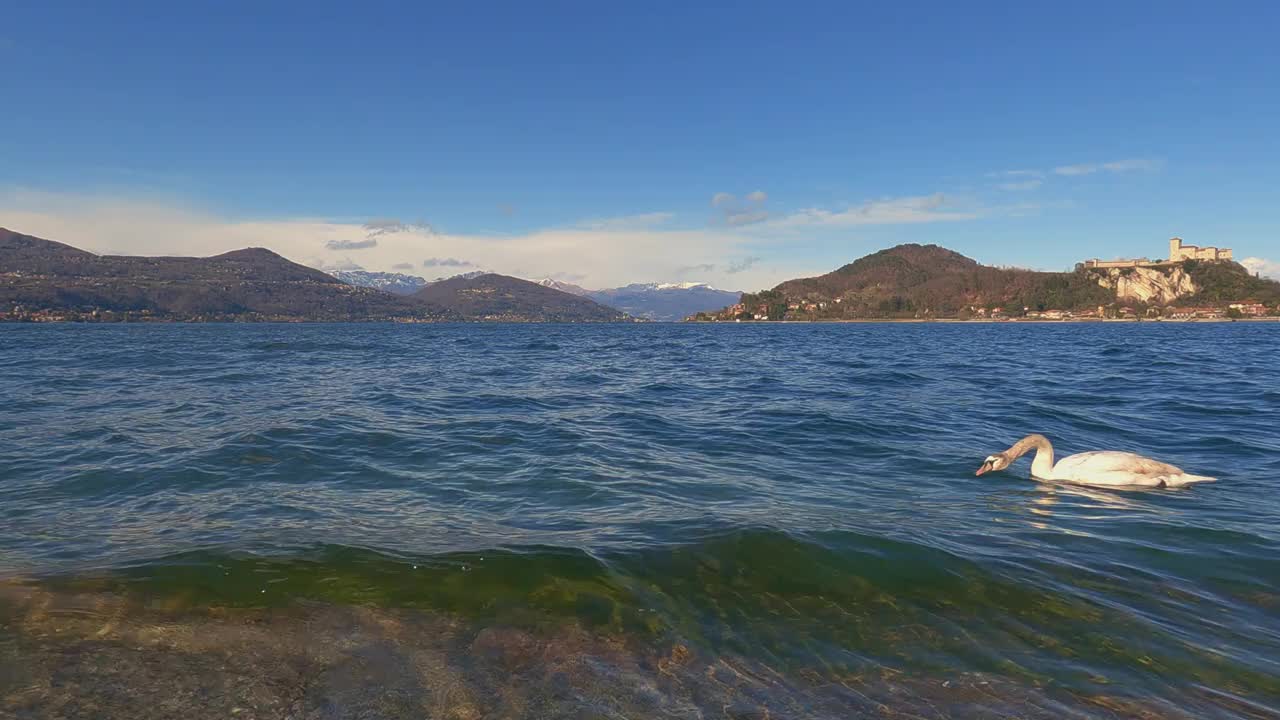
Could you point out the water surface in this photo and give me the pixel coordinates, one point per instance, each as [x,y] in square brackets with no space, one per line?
[634,521]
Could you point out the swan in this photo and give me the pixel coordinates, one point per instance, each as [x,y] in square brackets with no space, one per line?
[1105,468]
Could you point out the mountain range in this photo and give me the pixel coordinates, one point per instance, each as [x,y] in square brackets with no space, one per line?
[42,276]
[45,280]
[490,296]
[915,281]
[392,282]
[42,279]
[660,302]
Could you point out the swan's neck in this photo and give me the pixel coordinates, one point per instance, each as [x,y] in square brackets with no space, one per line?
[1042,465]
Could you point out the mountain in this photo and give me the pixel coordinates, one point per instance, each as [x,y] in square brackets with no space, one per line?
[499,297]
[661,302]
[43,278]
[564,287]
[397,283]
[930,281]
[664,302]
[466,276]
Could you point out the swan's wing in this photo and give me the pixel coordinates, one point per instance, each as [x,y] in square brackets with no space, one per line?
[1120,470]
[1095,463]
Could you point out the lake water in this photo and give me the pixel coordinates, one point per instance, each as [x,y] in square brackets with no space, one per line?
[633,521]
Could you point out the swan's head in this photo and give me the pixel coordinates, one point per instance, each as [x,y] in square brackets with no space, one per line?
[994,463]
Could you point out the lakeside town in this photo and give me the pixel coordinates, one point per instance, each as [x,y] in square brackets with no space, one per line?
[1249,310]
[928,283]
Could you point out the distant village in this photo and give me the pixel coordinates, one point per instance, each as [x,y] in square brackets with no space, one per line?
[1242,310]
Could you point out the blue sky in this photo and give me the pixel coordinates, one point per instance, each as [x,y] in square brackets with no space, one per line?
[739,142]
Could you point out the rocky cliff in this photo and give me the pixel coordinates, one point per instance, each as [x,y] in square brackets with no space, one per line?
[1148,285]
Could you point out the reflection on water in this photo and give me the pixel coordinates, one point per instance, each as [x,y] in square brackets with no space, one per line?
[647,521]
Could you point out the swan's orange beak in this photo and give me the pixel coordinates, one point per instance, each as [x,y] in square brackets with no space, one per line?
[986,468]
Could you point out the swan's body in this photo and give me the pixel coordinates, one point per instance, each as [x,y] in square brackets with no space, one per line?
[1104,468]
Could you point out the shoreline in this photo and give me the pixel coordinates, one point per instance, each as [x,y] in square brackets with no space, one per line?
[988,321]
[72,654]
[915,321]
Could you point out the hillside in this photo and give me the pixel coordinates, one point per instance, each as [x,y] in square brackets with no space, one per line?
[43,278]
[911,281]
[1218,282]
[503,298]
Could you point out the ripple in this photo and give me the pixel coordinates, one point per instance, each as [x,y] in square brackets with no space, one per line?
[801,497]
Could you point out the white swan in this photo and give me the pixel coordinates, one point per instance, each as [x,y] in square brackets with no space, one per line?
[1105,468]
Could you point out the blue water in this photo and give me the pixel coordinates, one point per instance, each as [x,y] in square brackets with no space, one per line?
[798,496]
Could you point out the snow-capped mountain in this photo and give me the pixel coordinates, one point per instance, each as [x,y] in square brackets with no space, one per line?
[648,287]
[397,283]
[664,302]
[563,286]
[465,276]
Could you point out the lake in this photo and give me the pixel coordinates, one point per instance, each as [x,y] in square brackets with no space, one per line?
[749,521]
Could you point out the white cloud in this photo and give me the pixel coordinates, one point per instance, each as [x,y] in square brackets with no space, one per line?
[889,211]
[1020,185]
[567,277]
[746,217]
[616,254]
[344,264]
[747,211]
[1263,267]
[1129,165]
[1116,166]
[390,226]
[1071,170]
[447,262]
[742,265]
[1083,169]
[608,252]
[627,222]
[351,244]
[1017,174]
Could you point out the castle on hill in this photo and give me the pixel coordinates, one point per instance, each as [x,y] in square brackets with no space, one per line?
[1177,253]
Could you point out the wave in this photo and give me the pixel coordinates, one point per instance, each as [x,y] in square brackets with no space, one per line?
[833,597]
[797,499]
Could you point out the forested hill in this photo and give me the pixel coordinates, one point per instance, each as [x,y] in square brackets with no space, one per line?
[499,297]
[46,279]
[932,281]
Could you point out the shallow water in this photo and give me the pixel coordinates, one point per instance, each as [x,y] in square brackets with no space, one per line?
[653,521]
